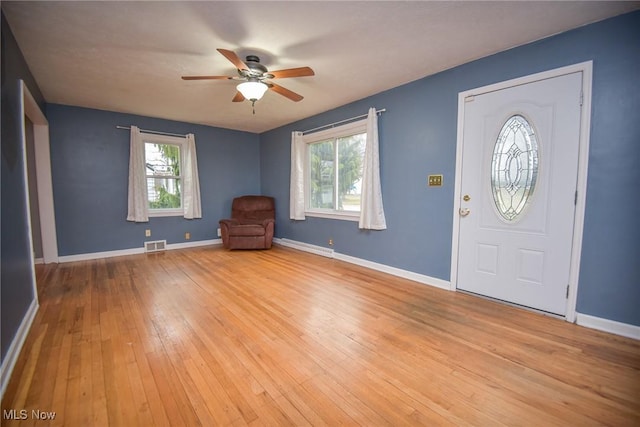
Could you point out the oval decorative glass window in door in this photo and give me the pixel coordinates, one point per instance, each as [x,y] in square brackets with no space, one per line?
[514,167]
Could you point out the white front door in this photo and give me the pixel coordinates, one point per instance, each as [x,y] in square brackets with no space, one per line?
[517,194]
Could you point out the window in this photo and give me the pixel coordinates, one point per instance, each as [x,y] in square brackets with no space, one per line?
[163,176]
[163,171]
[334,179]
[514,167]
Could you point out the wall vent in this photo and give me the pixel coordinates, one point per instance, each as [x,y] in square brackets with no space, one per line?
[155,246]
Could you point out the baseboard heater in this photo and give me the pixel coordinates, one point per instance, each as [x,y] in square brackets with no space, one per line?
[155,246]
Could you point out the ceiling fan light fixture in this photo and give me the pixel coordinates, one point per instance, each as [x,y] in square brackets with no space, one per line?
[252,90]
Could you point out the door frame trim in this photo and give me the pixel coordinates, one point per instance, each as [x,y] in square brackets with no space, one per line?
[44,181]
[586,68]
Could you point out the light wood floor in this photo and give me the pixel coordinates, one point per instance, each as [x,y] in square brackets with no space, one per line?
[280,337]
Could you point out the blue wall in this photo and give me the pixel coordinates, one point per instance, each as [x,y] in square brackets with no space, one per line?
[16,277]
[90,160]
[418,138]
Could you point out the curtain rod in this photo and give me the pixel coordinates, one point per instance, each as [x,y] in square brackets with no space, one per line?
[378,112]
[156,132]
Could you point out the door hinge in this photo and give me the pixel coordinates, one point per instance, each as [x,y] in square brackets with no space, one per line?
[575,199]
[567,296]
[581,97]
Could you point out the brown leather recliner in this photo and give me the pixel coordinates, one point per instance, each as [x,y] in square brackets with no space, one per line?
[251,225]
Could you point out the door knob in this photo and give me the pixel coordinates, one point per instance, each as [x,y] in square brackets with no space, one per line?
[464,211]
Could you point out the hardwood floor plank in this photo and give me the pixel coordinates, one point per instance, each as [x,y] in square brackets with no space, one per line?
[155,404]
[176,413]
[111,385]
[206,336]
[59,395]
[98,396]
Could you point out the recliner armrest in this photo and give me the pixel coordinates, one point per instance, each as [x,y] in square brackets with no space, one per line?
[268,221]
[229,222]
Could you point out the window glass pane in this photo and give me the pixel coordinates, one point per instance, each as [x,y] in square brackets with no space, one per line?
[321,159]
[514,167]
[350,158]
[163,172]
[162,159]
[163,193]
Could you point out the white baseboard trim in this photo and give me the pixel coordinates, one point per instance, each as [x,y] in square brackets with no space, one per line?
[610,326]
[135,251]
[196,244]
[306,247]
[405,274]
[330,253]
[99,255]
[11,358]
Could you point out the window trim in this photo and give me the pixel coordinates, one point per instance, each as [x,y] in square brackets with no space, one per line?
[150,138]
[356,127]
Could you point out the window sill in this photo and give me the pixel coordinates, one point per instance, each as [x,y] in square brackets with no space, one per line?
[343,216]
[165,212]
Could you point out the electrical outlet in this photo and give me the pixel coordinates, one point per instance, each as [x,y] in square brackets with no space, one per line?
[147,232]
[330,242]
[187,236]
[219,233]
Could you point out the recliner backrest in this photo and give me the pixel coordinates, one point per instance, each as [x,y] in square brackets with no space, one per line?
[256,208]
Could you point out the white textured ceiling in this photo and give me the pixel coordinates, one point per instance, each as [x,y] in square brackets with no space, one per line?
[129,56]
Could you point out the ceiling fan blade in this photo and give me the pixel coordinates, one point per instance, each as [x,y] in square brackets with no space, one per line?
[207,78]
[238,98]
[235,59]
[292,72]
[285,92]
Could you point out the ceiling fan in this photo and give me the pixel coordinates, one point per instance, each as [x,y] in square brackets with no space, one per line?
[255,78]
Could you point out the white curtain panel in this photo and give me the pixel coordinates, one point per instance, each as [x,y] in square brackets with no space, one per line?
[137,210]
[191,184]
[296,186]
[371,209]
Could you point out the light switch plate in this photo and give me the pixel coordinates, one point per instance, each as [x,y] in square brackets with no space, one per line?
[434,180]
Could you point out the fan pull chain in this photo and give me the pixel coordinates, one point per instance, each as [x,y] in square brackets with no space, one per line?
[253,106]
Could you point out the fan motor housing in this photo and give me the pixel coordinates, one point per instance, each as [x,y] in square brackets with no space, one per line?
[253,62]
